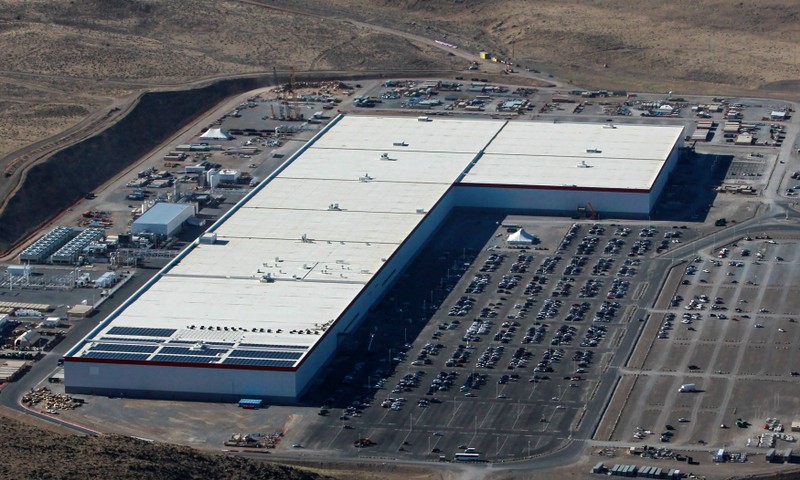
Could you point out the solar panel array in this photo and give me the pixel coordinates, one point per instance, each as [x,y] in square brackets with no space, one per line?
[257,362]
[184,358]
[111,347]
[208,352]
[288,347]
[144,332]
[116,356]
[192,342]
[266,354]
[179,351]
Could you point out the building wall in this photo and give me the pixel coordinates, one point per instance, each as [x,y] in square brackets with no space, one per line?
[323,352]
[550,200]
[179,383]
[663,176]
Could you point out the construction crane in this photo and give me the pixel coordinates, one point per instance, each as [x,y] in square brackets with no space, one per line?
[292,88]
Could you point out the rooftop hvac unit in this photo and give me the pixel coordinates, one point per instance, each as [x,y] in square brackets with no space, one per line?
[593,150]
[208,238]
[420,210]
[385,157]
[583,164]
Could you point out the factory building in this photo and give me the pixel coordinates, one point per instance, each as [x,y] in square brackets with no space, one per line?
[165,219]
[260,305]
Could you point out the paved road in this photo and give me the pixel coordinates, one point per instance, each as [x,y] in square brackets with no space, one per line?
[43,368]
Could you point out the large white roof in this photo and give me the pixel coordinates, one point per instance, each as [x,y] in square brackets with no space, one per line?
[577,155]
[322,228]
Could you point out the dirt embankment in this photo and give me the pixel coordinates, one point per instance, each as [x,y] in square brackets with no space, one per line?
[56,183]
[31,452]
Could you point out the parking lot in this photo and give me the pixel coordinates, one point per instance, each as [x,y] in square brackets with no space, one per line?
[508,363]
[482,345]
[730,328]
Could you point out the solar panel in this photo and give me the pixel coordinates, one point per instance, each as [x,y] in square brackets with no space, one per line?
[109,347]
[185,351]
[104,338]
[183,359]
[266,354]
[192,342]
[288,347]
[257,362]
[144,332]
[115,356]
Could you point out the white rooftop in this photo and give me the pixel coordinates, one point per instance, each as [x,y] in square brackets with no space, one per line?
[321,229]
[583,155]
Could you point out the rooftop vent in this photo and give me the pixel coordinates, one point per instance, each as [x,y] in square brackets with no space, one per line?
[583,164]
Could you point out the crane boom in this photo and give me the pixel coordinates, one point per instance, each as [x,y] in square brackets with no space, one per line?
[292,88]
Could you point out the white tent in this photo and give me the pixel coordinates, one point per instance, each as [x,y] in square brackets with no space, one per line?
[27,339]
[216,134]
[520,237]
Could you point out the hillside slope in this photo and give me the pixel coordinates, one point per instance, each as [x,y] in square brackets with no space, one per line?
[30,452]
[705,45]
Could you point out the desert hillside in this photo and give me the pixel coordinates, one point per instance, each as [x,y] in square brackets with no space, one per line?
[71,68]
[649,43]
[63,60]
[30,452]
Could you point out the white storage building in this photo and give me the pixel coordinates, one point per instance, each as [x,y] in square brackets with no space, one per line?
[259,306]
[163,219]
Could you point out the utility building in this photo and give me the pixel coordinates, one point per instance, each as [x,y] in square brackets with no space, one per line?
[164,219]
[259,306]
